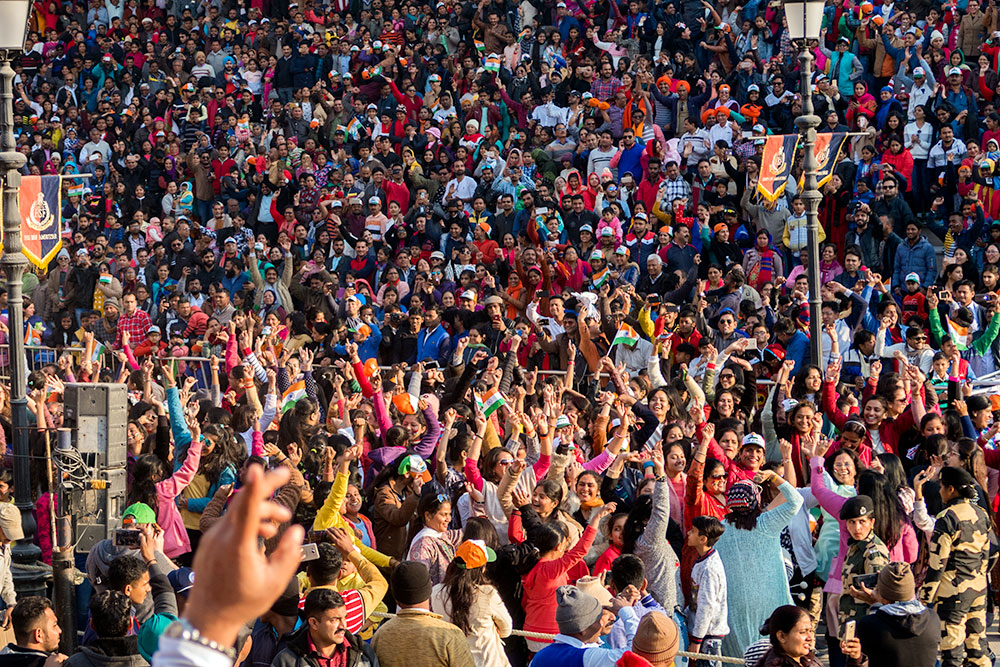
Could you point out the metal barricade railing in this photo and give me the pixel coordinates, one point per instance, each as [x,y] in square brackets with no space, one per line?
[39,356]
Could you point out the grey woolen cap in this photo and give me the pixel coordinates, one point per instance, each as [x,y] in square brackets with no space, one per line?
[577,610]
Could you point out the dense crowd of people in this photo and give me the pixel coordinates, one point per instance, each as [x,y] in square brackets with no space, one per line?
[481,302]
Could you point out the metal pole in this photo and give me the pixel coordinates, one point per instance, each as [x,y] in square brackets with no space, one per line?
[63,571]
[28,581]
[807,124]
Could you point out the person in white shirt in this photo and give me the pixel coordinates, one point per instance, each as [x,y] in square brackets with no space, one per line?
[920,88]
[460,188]
[695,143]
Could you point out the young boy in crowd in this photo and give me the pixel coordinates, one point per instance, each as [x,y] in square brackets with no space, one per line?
[914,300]
[707,618]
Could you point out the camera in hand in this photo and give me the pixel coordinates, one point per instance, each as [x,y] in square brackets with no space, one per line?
[127,537]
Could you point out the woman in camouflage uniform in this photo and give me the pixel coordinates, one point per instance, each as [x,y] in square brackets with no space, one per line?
[956,584]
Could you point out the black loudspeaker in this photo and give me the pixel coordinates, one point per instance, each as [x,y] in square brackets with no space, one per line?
[93,459]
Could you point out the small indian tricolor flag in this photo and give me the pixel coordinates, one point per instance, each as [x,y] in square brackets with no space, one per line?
[600,277]
[98,351]
[491,401]
[626,335]
[492,63]
[959,334]
[292,395]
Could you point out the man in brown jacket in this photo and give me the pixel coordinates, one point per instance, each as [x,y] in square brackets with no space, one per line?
[395,505]
[204,192]
[416,637]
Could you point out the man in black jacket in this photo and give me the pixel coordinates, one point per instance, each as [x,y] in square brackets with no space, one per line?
[36,634]
[899,630]
[324,636]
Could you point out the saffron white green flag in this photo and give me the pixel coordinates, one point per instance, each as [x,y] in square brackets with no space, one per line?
[959,334]
[626,335]
[491,402]
[292,395]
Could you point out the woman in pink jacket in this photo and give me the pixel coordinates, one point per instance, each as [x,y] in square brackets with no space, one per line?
[152,486]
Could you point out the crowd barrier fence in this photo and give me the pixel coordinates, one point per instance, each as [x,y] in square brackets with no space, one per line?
[541,636]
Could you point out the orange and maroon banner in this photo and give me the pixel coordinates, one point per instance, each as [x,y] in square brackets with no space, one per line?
[40,203]
[776,165]
[827,151]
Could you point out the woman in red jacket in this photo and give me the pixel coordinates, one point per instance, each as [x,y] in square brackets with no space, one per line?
[900,158]
[552,571]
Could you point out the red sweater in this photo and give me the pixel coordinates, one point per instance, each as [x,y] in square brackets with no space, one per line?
[902,163]
[540,585]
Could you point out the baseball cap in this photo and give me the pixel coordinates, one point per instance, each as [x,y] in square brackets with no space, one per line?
[493,300]
[414,465]
[621,250]
[468,294]
[753,87]
[955,71]
[181,579]
[597,254]
[607,231]
[153,329]
[474,553]
[918,72]
[437,254]
[10,522]
[754,440]
[374,200]
[912,277]
[141,513]
[562,421]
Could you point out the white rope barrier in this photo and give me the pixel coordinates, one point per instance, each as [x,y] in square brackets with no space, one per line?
[541,636]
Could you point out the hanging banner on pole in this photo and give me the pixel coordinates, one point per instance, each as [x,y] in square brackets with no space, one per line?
[827,151]
[40,204]
[776,165]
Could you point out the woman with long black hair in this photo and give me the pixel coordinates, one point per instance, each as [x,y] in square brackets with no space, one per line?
[467,598]
[152,485]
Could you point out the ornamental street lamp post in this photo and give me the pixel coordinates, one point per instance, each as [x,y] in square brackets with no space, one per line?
[805,19]
[29,577]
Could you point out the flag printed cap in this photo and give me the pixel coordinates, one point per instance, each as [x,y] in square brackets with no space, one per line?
[754,440]
[474,553]
[415,466]
[913,278]
[562,421]
[404,403]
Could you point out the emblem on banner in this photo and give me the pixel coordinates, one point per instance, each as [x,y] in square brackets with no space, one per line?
[40,215]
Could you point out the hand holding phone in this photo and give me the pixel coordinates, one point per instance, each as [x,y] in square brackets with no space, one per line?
[849,630]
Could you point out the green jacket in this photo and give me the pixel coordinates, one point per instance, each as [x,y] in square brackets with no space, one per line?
[980,346]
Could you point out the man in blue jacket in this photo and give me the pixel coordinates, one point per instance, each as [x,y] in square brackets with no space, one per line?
[433,342]
[915,254]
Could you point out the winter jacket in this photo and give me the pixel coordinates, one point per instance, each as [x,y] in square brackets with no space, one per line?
[796,235]
[13,655]
[391,517]
[175,538]
[109,652]
[433,345]
[297,653]
[901,633]
[918,258]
